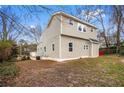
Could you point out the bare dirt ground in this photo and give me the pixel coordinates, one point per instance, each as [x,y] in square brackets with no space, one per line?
[102,71]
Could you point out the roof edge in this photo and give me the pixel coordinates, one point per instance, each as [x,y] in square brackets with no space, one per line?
[69,15]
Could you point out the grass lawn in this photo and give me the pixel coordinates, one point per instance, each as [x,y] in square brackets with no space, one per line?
[101,71]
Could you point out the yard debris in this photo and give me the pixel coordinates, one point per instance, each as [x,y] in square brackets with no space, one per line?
[102,71]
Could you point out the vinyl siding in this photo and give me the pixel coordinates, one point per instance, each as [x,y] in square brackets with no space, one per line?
[51,36]
[78,48]
[72,30]
[61,34]
[95,50]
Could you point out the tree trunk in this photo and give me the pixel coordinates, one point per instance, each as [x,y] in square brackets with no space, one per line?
[104,30]
[118,39]
[4,28]
[118,19]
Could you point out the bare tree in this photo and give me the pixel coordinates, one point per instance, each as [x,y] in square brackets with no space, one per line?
[94,15]
[35,33]
[12,27]
[117,19]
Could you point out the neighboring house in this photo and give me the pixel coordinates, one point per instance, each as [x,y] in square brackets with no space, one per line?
[67,37]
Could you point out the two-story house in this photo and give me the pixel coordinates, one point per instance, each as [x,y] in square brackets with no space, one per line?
[67,37]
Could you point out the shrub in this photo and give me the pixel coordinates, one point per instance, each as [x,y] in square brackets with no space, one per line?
[8,69]
[122,53]
[7,50]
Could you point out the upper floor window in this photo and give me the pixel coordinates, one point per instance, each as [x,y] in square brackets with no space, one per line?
[80,28]
[45,49]
[91,30]
[84,29]
[53,47]
[70,47]
[71,22]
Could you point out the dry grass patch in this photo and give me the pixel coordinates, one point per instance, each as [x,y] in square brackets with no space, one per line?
[101,71]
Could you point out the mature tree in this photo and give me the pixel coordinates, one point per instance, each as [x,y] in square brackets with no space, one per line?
[118,21]
[11,27]
[35,33]
[94,15]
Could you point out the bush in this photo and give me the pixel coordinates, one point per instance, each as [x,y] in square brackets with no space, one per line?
[8,51]
[122,53]
[5,50]
[8,69]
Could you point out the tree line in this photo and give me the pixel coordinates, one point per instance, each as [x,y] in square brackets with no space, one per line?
[109,19]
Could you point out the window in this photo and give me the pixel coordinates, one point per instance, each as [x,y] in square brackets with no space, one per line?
[70,47]
[86,46]
[91,30]
[80,28]
[71,22]
[84,29]
[45,49]
[53,47]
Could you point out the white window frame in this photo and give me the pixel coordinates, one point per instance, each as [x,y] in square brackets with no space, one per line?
[82,27]
[84,47]
[53,47]
[85,29]
[87,47]
[70,47]
[79,28]
[44,48]
[71,22]
[92,30]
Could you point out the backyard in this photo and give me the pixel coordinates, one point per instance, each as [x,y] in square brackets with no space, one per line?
[101,71]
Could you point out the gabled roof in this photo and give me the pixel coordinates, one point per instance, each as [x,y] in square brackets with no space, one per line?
[73,17]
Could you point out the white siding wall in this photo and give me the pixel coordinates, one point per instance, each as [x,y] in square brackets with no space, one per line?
[72,30]
[95,50]
[51,36]
[78,48]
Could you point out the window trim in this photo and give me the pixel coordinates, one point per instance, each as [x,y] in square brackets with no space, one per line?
[84,29]
[92,30]
[86,46]
[53,47]
[71,22]
[70,46]
[44,48]
[80,28]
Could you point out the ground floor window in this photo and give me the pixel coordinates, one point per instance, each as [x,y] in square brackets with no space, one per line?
[45,49]
[85,47]
[53,47]
[70,47]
